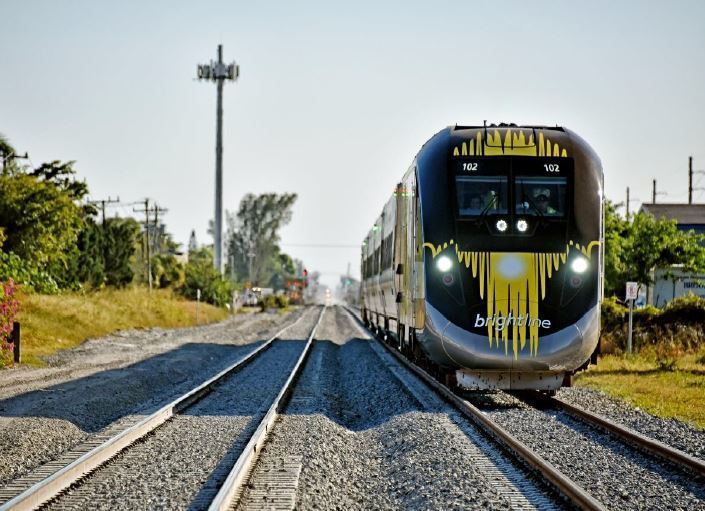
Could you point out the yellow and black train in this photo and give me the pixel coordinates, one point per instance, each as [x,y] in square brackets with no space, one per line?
[487,261]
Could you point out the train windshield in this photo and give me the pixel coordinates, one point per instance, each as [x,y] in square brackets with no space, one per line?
[540,196]
[479,195]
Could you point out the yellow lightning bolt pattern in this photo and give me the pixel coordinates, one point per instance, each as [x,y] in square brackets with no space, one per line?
[515,143]
[513,283]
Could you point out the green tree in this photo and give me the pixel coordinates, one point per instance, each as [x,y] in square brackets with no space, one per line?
[41,221]
[120,238]
[253,235]
[658,243]
[281,267]
[616,234]
[633,249]
[201,274]
[89,263]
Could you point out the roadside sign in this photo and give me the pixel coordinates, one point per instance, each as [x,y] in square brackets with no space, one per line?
[632,290]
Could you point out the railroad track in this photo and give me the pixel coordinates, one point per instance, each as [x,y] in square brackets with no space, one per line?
[627,435]
[68,479]
[556,478]
[349,395]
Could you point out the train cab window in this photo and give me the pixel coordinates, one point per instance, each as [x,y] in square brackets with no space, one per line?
[478,195]
[540,196]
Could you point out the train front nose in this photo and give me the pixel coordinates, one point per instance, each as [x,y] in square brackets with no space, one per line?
[507,359]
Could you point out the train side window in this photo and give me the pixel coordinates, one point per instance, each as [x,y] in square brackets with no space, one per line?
[540,196]
[479,195]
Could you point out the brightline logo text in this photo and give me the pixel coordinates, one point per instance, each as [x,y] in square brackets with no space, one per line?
[500,322]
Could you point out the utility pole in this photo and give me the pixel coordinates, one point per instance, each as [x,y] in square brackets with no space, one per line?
[251,255]
[146,212]
[10,157]
[218,72]
[157,234]
[690,179]
[103,203]
[654,193]
[627,203]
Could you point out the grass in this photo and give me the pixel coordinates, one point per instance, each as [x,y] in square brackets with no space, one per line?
[669,387]
[55,322]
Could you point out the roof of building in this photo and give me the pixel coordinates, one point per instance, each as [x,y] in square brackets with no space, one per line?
[682,213]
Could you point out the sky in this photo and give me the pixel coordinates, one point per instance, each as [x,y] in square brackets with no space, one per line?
[335,99]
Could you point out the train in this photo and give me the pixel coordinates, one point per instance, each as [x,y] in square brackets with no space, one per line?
[486,264]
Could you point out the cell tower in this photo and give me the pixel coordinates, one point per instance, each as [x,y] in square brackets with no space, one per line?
[218,72]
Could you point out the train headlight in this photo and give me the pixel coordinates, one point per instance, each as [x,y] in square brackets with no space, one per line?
[522,225]
[579,264]
[444,263]
[501,225]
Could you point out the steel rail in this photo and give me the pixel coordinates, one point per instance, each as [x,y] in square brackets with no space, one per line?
[567,487]
[226,496]
[48,488]
[630,436]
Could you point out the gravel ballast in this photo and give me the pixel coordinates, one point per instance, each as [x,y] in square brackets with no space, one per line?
[669,431]
[49,410]
[182,463]
[365,442]
[615,474]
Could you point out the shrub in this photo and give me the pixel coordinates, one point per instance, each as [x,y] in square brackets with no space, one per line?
[20,271]
[646,315]
[8,312]
[688,309]
[201,274]
[676,328]
[274,302]
[268,302]
[613,312]
[167,271]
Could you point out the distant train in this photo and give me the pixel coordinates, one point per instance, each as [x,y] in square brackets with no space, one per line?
[486,264]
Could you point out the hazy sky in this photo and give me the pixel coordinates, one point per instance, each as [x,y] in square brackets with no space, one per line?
[335,98]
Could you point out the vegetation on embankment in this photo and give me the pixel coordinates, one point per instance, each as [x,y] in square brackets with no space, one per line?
[53,322]
[665,374]
[675,392]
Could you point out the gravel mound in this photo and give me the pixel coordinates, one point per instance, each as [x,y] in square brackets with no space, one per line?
[169,468]
[182,463]
[366,443]
[47,411]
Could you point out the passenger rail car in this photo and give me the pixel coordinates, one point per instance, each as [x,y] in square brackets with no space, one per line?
[487,261]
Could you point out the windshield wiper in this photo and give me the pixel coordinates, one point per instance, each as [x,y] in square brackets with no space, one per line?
[483,213]
[531,203]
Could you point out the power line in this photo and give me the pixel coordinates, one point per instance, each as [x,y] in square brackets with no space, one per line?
[319,245]
[103,203]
